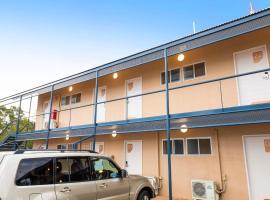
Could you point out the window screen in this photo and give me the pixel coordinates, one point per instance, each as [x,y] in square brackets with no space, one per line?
[76,98]
[205,146]
[178,147]
[165,146]
[188,72]
[175,75]
[192,146]
[35,171]
[163,77]
[65,100]
[199,69]
[199,146]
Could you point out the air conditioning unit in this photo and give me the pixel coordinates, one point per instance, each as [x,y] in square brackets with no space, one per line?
[204,190]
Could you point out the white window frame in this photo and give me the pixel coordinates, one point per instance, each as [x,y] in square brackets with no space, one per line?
[173,147]
[193,65]
[65,97]
[63,144]
[169,71]
[70,96]
[73,95]
[199,153]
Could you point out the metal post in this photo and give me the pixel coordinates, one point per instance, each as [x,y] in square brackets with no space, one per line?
[18,123]
[29,114]
[95,113]
[49,122]
[168,124]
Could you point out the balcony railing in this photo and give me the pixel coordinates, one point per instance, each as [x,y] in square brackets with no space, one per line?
[205,95]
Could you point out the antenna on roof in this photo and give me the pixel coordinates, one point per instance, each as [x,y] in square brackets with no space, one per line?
[251,8]
[194,27]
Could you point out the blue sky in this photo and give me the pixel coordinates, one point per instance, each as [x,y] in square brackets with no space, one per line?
[41,41]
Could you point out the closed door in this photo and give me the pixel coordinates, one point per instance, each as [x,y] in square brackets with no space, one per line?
[258,166]
[108,179]
[253,88]
[73,179]
[101,111]
[133,155]
[134,104]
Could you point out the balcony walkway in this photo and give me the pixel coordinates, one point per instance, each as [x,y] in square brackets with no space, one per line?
[240,115]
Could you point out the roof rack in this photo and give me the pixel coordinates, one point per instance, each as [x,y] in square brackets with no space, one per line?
[21,151]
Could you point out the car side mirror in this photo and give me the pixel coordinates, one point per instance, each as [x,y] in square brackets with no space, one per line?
[124,173]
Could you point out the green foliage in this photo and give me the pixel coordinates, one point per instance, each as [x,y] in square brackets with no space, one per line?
[8,121]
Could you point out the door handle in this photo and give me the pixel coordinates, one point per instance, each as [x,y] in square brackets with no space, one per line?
[66,189]
[103,185]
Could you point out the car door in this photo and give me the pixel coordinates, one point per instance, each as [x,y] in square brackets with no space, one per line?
[109,183]
[34,180]
[73,180]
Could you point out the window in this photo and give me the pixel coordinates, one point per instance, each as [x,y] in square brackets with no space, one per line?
[177,146]
[73,169]
[163,77]
[194,71]
[104,169]
[64,146]
[199,69]
[199,146]
[76,98]
[173,76]
[35,171]
[188,72]
[65,100]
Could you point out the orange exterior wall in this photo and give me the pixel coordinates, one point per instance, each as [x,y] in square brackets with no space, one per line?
[227,158]
[219,63]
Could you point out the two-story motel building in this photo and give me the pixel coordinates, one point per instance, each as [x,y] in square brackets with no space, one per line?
[219,119]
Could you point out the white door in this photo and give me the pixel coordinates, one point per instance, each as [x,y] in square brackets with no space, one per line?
[101,111]
[253,88]
[134,104]
[257,151]
[133,155]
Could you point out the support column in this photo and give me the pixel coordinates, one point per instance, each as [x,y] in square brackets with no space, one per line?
[18,123]
[168,134]
[49,122]
[95,113]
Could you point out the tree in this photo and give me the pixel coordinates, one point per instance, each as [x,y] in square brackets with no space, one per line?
[8,122]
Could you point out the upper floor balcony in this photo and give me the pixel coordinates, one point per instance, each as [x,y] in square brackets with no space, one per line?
[223,76]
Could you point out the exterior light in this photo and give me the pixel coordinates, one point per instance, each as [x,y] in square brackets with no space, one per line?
[115,75]
[181,57]
[70,88]
[184,128]
[67,136]
[114,134]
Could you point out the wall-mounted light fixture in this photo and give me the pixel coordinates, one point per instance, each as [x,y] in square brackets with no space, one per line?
[181,57]
[115,75]
[70,89]
[67,136]
[184,128]
[114,133]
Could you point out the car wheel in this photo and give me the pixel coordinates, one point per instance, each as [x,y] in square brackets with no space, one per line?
[144,195]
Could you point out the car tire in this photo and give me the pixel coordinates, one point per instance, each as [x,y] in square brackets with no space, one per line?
[144,195]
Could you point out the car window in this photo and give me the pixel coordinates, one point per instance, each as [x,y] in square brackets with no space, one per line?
[104,169]
[35,171]
[73,169]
